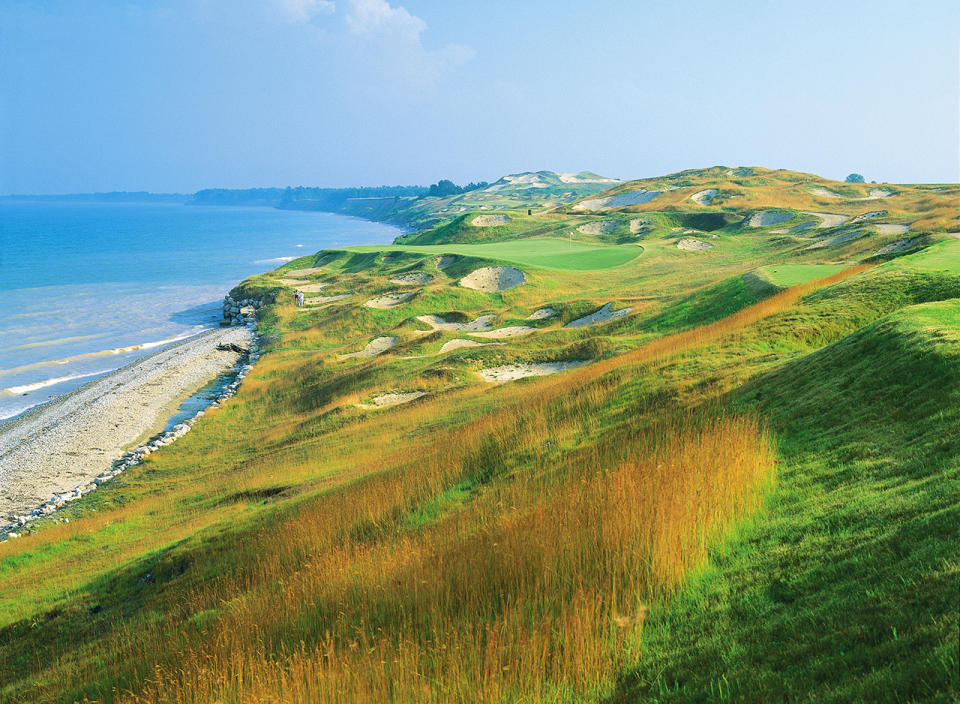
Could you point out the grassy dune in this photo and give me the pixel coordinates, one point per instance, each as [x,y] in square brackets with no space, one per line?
[749,492]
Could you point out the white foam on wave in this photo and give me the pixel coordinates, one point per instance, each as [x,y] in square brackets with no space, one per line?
[27,388]
[105,353]
[276,260]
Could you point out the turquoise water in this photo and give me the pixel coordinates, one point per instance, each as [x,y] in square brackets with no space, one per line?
[86,288]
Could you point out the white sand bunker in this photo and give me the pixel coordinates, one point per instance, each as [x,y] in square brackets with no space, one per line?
[638,225]
[620,200]
[509,372]
[295,283]
[898,246]
[413,278]
[445,261]
[599,317]
[312,288]
[297,273]
[845,236]
[824,192]
[494,278]
[483,322]
[890,229]
[877,193]
[387,400]
[324,300]
[390,300]
[868,216]
[797,229]
[460,343]
[601,227]
[510,331]
[766,218]
[542,313]
[704,197]
[688,244]
[376,346]
[828,219]
[490,220]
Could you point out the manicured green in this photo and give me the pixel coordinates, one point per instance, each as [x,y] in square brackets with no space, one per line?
[541,253]
[787,275]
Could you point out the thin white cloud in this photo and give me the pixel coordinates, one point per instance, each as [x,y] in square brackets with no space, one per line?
[377,17]
[393,34]
[305,10]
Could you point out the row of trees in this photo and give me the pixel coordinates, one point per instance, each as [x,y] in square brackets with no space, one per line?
[445,187]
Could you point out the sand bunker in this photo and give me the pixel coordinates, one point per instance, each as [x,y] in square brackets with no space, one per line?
[898,246]
[601,227]
[445,261]
[766,218]
[688,244]
[414,278]
[542,314]
[796,230]
[390,300]
[890,229]
[324,300]
[824,192]
[494,278]
[877,193]
[312,288]
[460,343]
[297,273]
[509,372]
[510,331]
[844,236]
[868,216]
[295,283]
[578,178]
[437,323]
[638,225]
[620,200]
[704,197]
[828,219]
[599,317]
[376,346]
[387,400]
[490,220]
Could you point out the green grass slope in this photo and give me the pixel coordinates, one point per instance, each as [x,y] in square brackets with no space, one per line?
[846,588]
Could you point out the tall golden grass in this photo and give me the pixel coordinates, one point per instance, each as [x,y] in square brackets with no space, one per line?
[532,591]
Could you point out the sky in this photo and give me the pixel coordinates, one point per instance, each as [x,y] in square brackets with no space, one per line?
[179,95]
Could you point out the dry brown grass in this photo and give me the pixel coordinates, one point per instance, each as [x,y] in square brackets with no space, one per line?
[534,590]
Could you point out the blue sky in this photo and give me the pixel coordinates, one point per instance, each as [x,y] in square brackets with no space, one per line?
[177,95]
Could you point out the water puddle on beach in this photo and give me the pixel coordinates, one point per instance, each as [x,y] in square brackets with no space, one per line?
[200,401]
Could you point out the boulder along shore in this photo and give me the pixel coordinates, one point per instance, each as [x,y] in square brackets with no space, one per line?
[59,451]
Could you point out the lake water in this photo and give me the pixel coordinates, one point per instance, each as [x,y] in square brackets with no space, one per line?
[86,288]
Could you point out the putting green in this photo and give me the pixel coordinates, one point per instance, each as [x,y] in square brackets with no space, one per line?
[787,275]
[536,252]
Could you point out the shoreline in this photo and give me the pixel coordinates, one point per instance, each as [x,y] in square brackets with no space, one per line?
[68,446]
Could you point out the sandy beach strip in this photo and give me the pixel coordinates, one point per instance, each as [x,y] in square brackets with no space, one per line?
[69,441]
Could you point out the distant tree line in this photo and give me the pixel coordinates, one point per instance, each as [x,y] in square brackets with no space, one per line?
[301,196]
[445,187]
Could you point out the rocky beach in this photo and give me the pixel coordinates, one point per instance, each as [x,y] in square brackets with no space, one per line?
[65,448]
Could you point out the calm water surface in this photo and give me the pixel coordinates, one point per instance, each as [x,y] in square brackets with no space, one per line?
[86,288]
